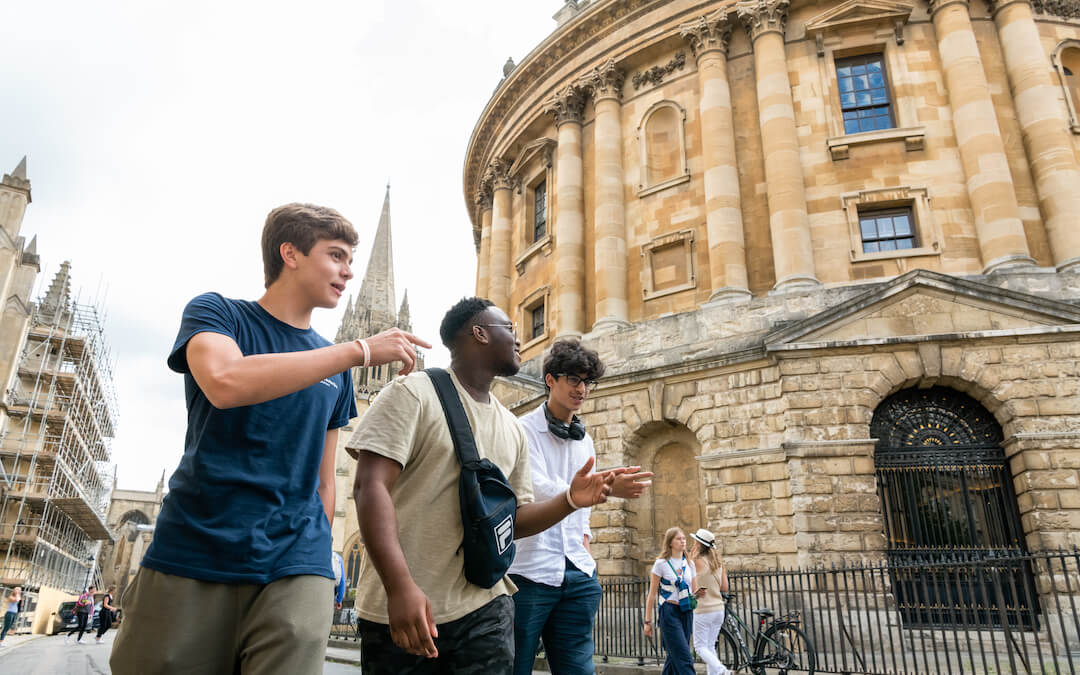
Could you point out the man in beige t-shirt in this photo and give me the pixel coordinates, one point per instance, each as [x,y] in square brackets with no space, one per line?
[417,612]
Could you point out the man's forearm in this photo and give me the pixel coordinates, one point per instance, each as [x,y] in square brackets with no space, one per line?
[378,527]
[328,495]
[263,377]
[536,517]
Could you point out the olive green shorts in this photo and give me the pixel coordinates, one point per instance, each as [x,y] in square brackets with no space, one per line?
[177,625]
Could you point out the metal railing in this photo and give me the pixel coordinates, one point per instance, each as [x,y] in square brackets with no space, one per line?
[953,616]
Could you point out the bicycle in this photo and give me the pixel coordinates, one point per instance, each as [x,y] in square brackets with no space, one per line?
[778,643]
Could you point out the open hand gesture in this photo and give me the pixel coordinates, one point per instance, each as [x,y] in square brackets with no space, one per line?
[630,482]
[590,489]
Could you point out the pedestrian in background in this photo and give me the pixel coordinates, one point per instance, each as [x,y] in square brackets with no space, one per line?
[672,580]
[709,616]
[13,600]
[105,618]
[84,609]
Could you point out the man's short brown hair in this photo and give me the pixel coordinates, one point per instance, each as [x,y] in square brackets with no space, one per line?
[301,225]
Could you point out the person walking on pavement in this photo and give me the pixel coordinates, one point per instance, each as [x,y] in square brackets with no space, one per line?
[84,610]
[13,599]
[709,616]
[105,618]
[672,580]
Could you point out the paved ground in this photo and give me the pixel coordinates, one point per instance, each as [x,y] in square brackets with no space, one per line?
[34,655]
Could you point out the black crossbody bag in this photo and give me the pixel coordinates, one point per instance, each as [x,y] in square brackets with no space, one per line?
[488,503]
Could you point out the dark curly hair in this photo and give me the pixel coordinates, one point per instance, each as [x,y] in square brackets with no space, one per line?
[570,357]
[457,316]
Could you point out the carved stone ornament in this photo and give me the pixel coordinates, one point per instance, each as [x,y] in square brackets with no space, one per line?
[605,81]
[568,105]
[484,194]
[656,74]
[1066,9]
[708,33]
[763,16]
[499,170]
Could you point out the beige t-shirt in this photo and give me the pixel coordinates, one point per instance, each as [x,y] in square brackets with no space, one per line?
[406,423]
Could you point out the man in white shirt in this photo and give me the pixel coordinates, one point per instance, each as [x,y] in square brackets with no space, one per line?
[558,593]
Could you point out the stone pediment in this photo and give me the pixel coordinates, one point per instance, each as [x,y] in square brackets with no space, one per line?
[923,303]
[859,11]
[544,147]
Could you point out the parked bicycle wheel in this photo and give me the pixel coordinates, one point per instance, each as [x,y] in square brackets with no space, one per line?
[728,651]
[787,649]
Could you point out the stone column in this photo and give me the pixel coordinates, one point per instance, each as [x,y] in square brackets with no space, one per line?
[612,309]
[568,109]
[708,38]
[793,252]
[483,264]
[1045,131]
[990,188]
[501,233]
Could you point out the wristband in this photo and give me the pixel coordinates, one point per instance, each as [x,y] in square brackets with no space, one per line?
[571,501]
[367,351]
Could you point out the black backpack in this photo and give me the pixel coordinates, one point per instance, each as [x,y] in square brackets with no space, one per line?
[488,503]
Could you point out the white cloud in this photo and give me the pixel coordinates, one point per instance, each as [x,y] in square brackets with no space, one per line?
[159,135]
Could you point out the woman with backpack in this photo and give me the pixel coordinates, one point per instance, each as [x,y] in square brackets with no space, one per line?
[673,582]
[84,610]
[108,612]
[709,616]
[13,599]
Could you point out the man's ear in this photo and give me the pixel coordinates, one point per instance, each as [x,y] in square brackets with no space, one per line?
[289,254]
[480,335]
[549,380]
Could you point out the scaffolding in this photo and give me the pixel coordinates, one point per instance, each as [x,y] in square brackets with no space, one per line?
[55,472]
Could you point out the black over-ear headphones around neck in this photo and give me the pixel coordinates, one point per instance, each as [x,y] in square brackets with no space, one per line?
[574,431]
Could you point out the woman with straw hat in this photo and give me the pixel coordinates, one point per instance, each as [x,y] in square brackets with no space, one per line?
[709,616]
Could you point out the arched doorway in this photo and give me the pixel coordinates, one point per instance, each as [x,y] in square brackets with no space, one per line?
[676,492]
[947,495]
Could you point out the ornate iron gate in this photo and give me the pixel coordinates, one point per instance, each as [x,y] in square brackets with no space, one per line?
[947,495]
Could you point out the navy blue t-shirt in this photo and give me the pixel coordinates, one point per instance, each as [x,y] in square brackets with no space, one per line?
[243,505]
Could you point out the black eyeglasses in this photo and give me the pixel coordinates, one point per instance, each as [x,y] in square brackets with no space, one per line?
[574,381]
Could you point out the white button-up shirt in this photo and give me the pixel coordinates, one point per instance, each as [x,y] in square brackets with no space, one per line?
[553,462]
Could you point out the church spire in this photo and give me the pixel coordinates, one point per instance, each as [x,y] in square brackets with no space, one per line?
[404,321]
[377,297]
[57,300]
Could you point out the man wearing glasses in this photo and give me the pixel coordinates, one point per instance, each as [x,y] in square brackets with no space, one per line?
[558,593]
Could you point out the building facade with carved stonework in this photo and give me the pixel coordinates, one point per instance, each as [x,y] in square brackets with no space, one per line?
[830,253]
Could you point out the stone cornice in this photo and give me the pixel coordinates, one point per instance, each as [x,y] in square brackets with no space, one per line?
[605,81]
[996,6]
[568,105]
[763,16]
[708,33]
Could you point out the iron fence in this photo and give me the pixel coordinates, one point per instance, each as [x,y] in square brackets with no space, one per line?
[953,615]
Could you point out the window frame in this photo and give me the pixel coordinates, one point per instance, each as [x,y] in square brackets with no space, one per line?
[892,212]
[663,241]
[644,187]
[536,211]
[890,104]
[926,230]
[1067,93]
[541,297]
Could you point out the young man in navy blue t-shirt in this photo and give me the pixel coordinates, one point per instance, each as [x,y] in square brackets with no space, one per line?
[238,577]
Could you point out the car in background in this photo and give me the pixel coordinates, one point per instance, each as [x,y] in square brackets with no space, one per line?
[64,618]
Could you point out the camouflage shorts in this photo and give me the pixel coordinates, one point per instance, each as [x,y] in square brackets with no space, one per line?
[479,642]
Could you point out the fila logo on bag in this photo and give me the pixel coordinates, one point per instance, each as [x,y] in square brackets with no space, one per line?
[504,533]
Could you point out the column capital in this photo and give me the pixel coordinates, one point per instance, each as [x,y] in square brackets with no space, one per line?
[498,175]
[997,5]
[935,5]
[484,195]
[605,81]
[763,16]
[567,105]
[708,33]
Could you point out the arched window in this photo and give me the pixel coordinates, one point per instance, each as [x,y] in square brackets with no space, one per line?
[1066,59]
[947,495]
[662,141]
[352,570]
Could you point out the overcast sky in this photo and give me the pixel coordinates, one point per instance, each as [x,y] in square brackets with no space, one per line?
[159,134]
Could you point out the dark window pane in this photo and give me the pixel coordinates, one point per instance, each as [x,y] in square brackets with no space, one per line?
[877,79]
[887,245]
[851,127]
[902,224]
[863,98]
[843,71]
[851,115]
[878,96]
[874,66]
[861,82]
[869,230]
[905,243]
[846,84]
[885,227]
[539,211]
[537,322]
[883,123]
[870,247]
[847,100]
[858,69]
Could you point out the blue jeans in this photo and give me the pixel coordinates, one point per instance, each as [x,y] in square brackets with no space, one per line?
[676,627]
[563,615]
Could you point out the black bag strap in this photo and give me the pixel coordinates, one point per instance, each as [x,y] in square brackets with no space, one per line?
[460,429]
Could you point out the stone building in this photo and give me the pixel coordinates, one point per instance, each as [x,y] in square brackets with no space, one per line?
[372,312]
[58,416]
[131,519]
[830,253]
